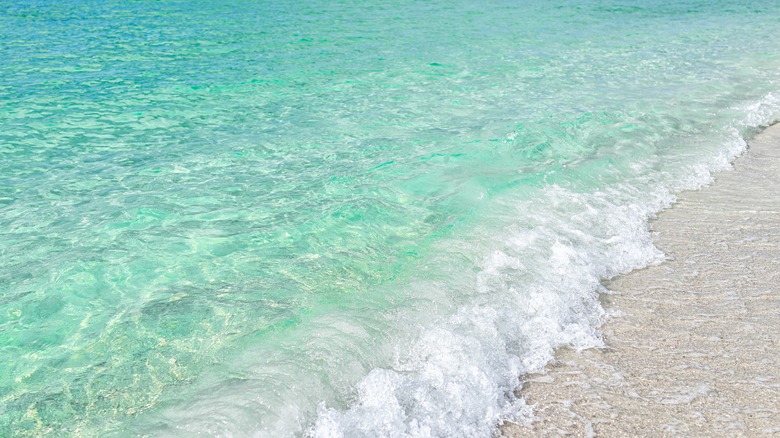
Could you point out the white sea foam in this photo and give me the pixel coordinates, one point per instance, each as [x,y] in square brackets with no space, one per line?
[536,290]
[541,287]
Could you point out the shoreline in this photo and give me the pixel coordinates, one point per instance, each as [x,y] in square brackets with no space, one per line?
[692,346]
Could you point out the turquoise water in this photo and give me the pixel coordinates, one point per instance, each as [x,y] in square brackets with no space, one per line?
[335,219]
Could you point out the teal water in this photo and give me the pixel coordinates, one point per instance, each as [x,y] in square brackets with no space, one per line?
[334,219]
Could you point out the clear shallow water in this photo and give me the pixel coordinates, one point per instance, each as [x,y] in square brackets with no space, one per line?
[276,219]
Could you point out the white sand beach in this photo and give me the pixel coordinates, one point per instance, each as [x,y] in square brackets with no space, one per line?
[693,346]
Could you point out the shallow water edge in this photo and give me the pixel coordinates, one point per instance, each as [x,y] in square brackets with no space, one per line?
[690,347]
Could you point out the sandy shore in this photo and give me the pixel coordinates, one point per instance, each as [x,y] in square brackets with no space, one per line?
[695,348]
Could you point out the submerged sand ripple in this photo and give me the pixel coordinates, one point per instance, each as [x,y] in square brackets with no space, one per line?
[694,348]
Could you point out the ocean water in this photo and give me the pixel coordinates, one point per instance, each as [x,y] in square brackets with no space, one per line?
[340,219]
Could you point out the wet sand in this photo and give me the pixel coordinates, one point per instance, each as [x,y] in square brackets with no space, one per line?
[694,346]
